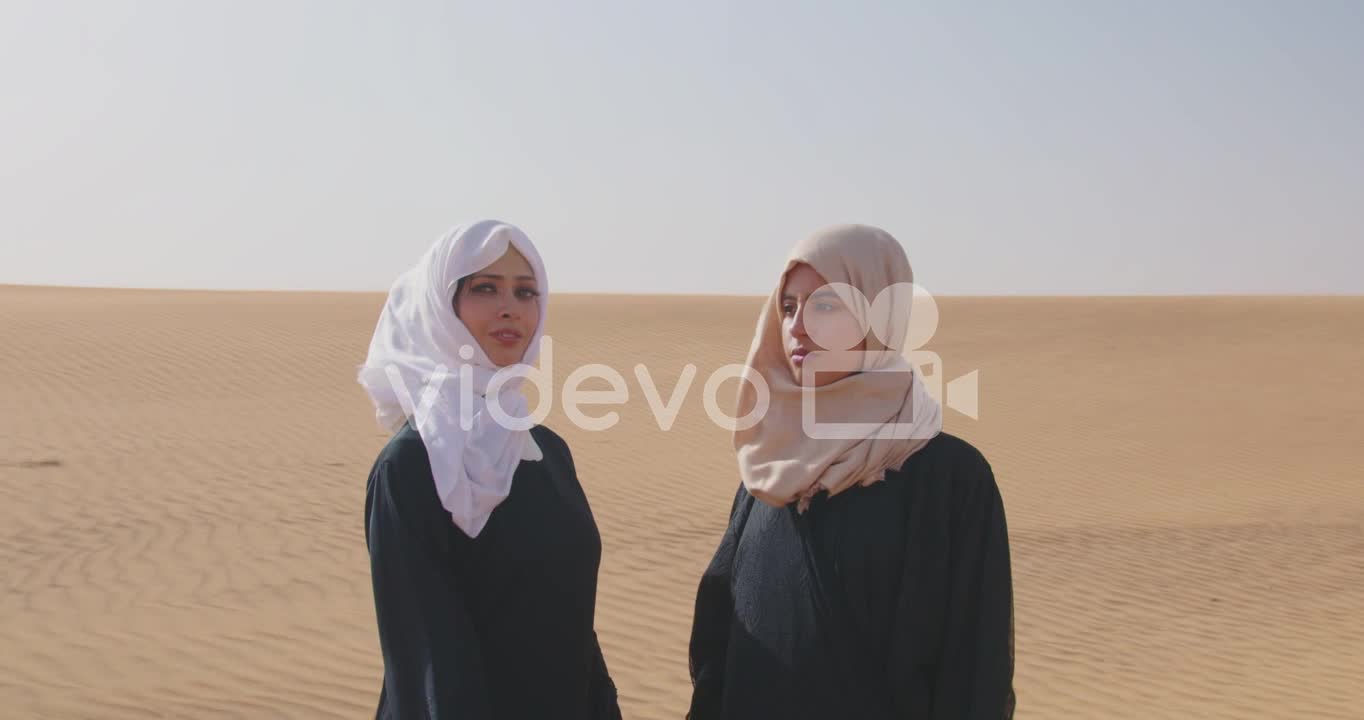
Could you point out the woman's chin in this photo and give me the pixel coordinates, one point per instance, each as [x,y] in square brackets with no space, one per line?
[503,357]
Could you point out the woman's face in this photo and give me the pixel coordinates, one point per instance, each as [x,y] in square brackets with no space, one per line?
[500,305]
[815,318]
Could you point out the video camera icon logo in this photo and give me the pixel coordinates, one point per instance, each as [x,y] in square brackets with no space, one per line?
[963,393]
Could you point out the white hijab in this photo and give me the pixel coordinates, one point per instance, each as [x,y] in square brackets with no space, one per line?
[417,358]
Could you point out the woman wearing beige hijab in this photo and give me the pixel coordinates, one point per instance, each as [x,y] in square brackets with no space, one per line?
[865,570]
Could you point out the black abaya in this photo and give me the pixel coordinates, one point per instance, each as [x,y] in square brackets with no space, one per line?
[495,627]
[892,600]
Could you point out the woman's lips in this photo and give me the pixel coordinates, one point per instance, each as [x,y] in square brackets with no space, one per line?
[506,337]
[798,356]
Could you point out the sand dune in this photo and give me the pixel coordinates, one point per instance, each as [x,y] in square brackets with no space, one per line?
[182,478]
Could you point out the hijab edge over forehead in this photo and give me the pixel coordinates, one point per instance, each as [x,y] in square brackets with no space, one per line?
[867,259]
[834,251]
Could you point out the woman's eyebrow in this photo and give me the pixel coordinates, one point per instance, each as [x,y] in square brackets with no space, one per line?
[493,276]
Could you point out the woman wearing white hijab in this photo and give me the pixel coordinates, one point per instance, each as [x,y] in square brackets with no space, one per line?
[865,569]
[483,549]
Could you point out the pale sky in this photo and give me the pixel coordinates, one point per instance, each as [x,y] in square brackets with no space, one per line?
[683,147]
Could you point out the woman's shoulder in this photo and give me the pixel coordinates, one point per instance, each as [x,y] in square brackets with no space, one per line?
[404,452]
[545,436]
[551,444]
[949,460]
[953,449]
[401,479]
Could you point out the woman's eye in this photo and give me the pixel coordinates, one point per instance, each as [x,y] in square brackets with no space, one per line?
[527,293]
[788,309]
[485,288]
[825,307]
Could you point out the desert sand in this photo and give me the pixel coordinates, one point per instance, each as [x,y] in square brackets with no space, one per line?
[182,480]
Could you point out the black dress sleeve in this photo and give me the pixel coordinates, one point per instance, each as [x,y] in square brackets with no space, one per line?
[712,618]
[974,673]
[432,665]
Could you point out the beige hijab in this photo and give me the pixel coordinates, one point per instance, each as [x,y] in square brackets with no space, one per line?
[889,413]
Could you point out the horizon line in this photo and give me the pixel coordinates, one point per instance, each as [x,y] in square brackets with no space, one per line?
[1008,295]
